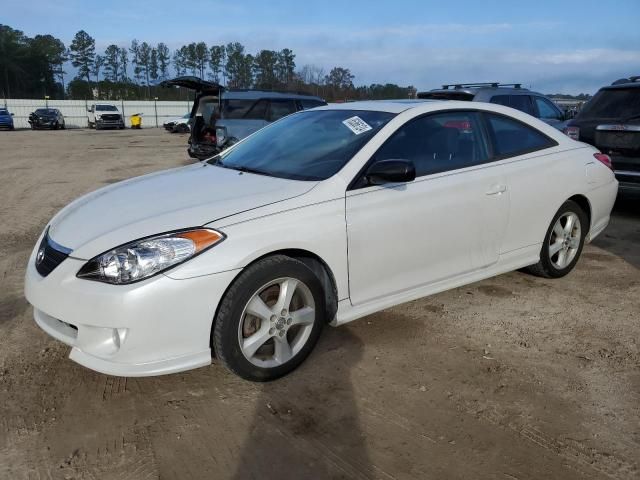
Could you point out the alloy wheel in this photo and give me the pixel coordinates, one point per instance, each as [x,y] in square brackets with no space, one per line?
[564,241]
[276,322]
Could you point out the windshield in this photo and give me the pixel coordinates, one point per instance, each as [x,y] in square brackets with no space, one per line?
[45,111]
[616,103]
[4,112]
[106,108]
[310,145]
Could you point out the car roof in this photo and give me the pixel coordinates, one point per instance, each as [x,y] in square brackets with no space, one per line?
[390,106]
[259,94]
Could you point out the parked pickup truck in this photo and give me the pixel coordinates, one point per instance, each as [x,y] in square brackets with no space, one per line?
[105,115]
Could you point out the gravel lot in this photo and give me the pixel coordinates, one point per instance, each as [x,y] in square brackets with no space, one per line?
[515,377]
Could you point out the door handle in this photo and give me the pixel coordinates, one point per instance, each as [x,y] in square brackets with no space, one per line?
[496,190]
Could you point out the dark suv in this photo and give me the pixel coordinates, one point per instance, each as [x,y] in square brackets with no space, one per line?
[507,94]
[221,117]
[610,121]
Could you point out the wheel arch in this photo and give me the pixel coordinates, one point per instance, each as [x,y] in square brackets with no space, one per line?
[315,263]
[584,203]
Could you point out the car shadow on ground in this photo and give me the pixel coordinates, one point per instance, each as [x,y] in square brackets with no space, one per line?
[306,425]
[622,236]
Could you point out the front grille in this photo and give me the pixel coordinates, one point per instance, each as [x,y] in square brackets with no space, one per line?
[49,256]
[109,117]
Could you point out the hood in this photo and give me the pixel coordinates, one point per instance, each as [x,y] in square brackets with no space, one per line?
[164,201]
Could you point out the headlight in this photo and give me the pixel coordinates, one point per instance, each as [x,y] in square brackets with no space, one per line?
[149,256]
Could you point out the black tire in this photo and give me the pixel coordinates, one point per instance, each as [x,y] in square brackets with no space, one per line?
[64,126]
[183,128]
[92,125]
[56,126]
[545,267]
[225,330]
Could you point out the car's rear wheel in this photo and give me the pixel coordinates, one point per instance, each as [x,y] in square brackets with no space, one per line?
[270,319]
[563,242]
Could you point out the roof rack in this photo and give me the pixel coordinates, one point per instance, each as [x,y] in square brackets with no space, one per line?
[475,85]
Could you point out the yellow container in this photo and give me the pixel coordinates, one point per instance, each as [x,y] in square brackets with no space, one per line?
[136,120]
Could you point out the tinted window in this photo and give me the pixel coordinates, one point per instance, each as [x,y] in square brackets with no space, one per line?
[305,146]
[501,100]
[46,111]
[522,103]
[236,108]
[258,111]
[4,112]
[437,143]
[547,110]
[281,108]
[510,137]
[307,104]
[106,108]
[619,103]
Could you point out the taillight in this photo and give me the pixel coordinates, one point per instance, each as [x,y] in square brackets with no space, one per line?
[605,159]
[572,132]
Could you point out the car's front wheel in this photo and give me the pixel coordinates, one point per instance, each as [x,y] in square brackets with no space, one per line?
[270,319]
[563,242]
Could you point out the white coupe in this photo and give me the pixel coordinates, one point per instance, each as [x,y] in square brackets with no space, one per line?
[325,216]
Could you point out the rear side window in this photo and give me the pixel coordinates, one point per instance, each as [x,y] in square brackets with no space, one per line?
[501,100]
[547,110]
[281,108]
[234,109]
[438,143]
[510,137]
[307,104]
[519,102]
[258,110]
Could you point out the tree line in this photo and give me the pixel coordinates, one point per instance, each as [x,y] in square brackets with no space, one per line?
[34,67]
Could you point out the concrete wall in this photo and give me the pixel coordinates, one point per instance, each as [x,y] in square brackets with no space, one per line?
[75,111]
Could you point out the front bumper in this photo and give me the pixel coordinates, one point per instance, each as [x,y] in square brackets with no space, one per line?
[153,327]
[109,123]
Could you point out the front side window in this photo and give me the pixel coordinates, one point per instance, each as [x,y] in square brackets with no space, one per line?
[310,145]
[281,108]
[547,110]
[437,143]
[511,137]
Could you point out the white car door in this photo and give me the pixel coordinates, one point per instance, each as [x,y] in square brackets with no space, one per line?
[447,222]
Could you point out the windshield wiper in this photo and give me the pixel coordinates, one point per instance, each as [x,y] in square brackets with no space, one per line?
[241,168]
[244,169]
[632,117]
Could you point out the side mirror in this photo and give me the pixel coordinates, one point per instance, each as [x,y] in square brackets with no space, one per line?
[12,114]
[391,171]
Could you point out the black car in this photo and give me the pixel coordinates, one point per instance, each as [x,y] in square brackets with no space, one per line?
[507,94]
[50,118]
[610,121]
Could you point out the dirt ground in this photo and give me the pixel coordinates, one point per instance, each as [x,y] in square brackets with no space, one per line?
[515,377]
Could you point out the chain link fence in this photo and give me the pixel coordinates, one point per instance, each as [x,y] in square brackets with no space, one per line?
[154,113]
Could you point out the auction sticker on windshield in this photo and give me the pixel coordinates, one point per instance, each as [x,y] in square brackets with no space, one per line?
[357,125]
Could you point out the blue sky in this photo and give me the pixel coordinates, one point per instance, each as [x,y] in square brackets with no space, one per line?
[553,46]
